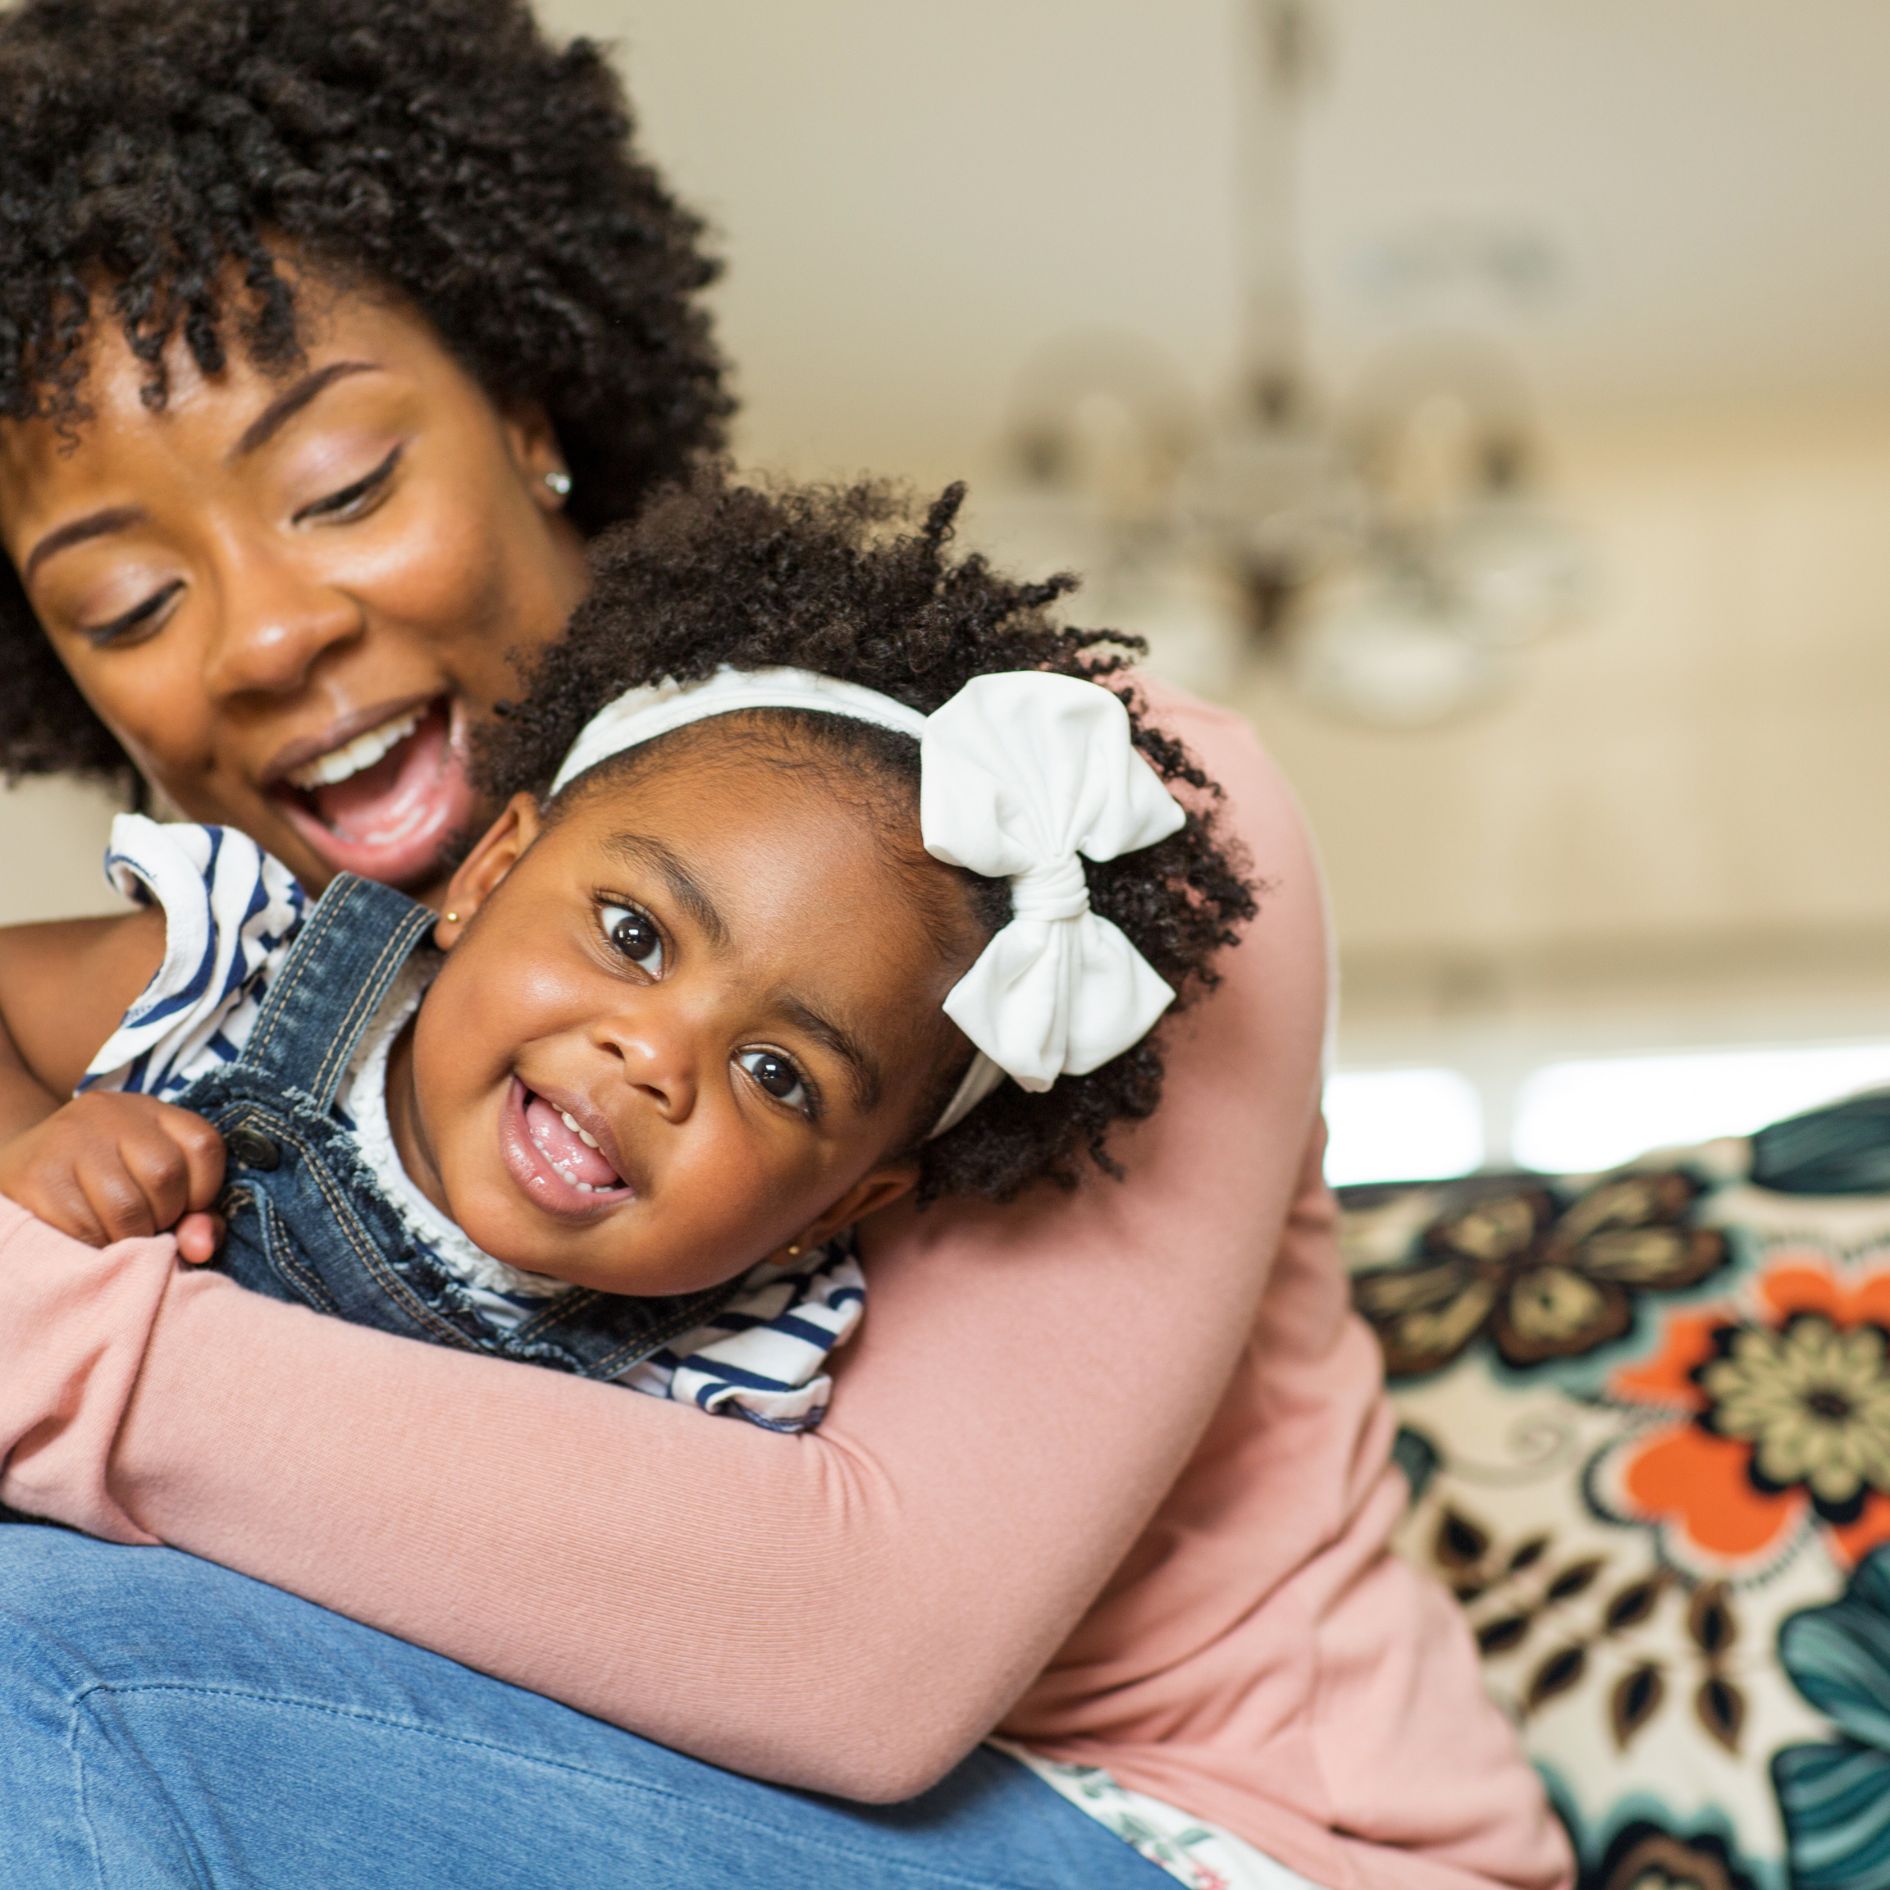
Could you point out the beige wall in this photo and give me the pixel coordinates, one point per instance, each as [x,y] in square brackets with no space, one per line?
[1674,829]
[52,838]
[1704,756]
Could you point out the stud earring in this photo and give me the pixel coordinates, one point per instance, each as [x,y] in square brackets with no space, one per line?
[794,1250]
[559,481]
[451,918]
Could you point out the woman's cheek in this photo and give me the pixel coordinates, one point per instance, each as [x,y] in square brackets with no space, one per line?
[437,568]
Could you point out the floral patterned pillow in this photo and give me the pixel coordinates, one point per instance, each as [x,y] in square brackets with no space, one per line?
[1646,1419]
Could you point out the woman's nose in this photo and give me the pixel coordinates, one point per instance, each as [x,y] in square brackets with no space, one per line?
[275,621]
[659,1056]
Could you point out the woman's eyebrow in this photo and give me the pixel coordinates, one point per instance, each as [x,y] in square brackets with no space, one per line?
[289,403]
[115,518]
[265,426]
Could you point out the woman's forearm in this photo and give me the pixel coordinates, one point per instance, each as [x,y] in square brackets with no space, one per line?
[24,1100]
[847,1611]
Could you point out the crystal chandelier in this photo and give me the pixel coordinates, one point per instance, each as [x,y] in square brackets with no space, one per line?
[1389,551]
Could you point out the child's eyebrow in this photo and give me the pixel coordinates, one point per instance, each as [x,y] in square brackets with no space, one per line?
[641,850]
[866,1082]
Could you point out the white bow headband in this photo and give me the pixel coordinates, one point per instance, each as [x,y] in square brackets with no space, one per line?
[1019,773]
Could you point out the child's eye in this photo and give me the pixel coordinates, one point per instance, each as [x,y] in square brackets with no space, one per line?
[777,1077]
[634,934]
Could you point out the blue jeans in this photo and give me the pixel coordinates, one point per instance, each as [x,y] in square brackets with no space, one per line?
[165,1722]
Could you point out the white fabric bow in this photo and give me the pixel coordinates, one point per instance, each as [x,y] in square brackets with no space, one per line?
[1023,775]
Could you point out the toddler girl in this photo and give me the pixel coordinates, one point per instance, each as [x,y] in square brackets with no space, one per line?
[823,860]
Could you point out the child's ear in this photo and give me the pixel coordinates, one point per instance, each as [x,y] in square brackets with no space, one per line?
[881,1188]
[494,854]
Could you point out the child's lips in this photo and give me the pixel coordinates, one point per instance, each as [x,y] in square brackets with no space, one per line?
[570,1147]
[548,1175]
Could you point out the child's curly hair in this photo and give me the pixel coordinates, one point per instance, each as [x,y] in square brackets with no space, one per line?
[854,582]
[159,155]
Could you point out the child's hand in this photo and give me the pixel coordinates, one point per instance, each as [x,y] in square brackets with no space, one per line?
[109,1166]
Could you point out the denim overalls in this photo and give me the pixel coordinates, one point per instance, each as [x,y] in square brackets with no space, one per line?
[307,1221]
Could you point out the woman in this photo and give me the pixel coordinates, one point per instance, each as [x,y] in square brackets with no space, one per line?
[331,331]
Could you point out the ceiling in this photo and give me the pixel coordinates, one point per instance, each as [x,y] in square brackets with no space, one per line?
[919,200]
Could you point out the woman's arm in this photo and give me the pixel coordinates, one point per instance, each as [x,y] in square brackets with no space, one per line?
[63,987]
[848,1611]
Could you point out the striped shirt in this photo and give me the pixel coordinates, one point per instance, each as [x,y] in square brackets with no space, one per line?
[230,912]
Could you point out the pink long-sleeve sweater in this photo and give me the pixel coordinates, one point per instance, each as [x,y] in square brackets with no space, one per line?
[1106,1473]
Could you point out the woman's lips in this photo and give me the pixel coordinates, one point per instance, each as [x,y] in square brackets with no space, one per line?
[548,1182]
[399,800]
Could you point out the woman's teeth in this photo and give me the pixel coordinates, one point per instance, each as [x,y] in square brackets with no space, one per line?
[363,752]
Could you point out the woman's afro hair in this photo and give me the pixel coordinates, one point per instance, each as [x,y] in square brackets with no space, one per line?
[857,582]
[156,156]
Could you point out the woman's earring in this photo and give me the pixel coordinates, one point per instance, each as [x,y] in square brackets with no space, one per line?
[559,481]
[794,1250]
[451,918]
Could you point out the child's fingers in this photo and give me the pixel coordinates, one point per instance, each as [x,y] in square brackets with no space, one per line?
[161,1171]
[57,1198]
[117,1167]
[202,1150]
[176,1159]
[117,1198]
[198,1237]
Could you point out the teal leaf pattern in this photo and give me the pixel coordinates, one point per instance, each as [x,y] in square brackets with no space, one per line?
[1835,1797]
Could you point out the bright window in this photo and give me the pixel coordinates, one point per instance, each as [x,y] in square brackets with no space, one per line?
[1575,1116]
[1402,1125]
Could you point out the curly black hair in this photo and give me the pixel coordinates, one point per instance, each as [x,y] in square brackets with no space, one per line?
[855,581]
[160,156]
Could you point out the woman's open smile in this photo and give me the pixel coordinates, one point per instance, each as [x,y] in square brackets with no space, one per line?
[384,802]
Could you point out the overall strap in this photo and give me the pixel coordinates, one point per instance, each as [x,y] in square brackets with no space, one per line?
[332,982]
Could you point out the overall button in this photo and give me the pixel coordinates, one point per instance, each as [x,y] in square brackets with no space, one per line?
[250,1148]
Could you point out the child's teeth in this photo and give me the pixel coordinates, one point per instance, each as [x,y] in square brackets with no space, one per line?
[583,1135]
[363,752]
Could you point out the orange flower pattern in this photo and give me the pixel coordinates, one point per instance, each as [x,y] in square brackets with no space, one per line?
[1767,1419]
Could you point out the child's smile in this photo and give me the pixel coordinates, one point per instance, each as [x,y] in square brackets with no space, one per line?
[566,1166]
[695,1020]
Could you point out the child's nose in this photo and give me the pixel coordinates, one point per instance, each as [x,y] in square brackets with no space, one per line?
[658,1056]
